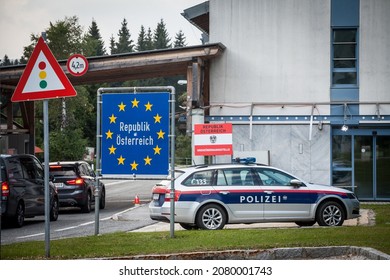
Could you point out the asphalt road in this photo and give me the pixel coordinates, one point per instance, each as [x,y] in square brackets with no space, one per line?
[72,223]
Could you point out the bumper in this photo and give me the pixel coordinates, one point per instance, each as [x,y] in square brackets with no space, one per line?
[72,199]
[184,212]
[353,209]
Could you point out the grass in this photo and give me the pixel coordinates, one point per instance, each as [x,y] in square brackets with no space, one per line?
[138,243]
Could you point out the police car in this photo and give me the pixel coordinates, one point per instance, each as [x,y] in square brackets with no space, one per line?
[210,196]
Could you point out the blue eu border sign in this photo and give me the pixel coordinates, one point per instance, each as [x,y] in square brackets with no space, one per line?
[135,130]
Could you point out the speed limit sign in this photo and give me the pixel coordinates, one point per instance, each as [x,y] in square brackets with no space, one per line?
[77,65]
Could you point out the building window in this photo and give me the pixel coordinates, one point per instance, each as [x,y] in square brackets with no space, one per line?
[345,63]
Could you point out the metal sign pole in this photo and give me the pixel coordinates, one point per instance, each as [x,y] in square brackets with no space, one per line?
[172,165]
[98,166]
[46,167]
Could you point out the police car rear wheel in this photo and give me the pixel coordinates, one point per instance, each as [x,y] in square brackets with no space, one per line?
[330,214]
[211,216]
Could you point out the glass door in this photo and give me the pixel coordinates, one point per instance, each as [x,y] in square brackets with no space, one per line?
[383,167]
[364,166]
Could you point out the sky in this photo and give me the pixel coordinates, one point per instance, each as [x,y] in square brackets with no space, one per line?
[21,18]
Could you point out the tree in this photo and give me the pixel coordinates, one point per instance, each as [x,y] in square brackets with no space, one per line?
[5,61]
[124,44]
[67,144]
[64,38]
[93,42]
[112,45]
[141,42]
[149,40]
[161,36]
[180,40]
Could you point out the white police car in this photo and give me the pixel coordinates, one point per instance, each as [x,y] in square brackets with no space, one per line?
[210,196]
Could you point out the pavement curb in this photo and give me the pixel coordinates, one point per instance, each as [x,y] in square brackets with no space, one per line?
[300,253]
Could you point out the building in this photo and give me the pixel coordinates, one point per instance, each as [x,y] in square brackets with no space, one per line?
[307,81]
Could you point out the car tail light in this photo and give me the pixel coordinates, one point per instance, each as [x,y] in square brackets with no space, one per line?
[167,196]
[55,166]
[4,189]
[78,181]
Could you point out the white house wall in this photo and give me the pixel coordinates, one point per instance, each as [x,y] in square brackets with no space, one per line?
[275,51]
[374,54]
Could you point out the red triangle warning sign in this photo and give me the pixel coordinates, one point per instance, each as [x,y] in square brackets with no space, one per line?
[43,77]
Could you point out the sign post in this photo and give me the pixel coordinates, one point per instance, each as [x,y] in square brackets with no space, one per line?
[43,79]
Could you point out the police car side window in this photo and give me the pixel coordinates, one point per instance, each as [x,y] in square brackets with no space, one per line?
[221,179]
[201,178]
[236,177]
[274,177]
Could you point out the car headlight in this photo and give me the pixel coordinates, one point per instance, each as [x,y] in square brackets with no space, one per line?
[351,196]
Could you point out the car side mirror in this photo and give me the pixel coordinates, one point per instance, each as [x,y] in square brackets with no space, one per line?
[296,183]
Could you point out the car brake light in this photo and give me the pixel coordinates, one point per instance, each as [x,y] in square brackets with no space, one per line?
[4,189]
[167,196]
[78,181]
[55,166]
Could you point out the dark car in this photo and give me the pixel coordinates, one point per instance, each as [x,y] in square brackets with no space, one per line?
[22,189]
[76,184]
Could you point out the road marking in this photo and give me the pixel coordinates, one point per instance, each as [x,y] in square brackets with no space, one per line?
[114,183]
[63,229]
[87,223]
[80,225]
[31,235]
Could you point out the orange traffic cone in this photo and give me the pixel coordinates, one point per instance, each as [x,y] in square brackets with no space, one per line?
[136,200]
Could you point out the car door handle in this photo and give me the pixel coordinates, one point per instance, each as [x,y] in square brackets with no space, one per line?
[224,192]
[269,192]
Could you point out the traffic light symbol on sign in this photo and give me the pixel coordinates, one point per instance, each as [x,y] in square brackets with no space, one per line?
[43,77]
[42,74]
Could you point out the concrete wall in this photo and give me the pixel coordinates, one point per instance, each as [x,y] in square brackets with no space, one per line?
[275,51]
[374,54]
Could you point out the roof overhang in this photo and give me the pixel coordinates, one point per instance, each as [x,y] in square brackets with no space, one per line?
[128,66]
[198,15]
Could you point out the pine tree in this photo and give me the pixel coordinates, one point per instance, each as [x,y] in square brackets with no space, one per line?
[124,44]
[112,45]
[161,36]
[180,40]
[141,42]
[5,61]
[149,40]
[93,43]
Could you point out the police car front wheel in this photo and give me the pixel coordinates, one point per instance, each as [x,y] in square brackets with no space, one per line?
[330,213]
[211,216]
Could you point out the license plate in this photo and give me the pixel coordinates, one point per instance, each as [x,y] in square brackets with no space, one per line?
[156,196]
[59,185]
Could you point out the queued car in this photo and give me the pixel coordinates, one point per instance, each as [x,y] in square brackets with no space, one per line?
[210,196]
[23,190]
[76,184]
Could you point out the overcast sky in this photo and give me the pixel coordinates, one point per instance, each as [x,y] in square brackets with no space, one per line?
[20,18]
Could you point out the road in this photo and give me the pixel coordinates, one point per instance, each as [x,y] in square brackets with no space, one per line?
[72,223]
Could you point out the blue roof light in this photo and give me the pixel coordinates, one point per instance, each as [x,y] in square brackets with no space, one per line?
[246,160]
